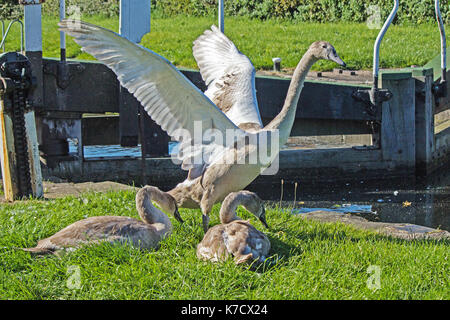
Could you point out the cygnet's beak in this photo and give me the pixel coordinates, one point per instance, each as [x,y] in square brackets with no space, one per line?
[338,60]
[262,218]
[177,216]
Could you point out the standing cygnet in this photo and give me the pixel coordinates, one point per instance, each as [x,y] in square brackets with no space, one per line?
[235,236]
[145,234]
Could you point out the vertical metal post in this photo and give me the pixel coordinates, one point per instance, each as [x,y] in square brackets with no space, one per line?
[2,43]
[62,35]
[33,51]
[134,19]
[443,41]
[3,34]
[33,28]
[221,17]
[33,47]
[375,96]
[376,48]
[134,23]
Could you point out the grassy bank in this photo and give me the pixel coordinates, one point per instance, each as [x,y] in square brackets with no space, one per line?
[403,46]
[316,261]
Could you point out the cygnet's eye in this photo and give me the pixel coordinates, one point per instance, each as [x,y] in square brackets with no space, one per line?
[324,46]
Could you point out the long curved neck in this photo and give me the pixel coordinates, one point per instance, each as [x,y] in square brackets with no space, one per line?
[151,215]
[285,119]
[230,204]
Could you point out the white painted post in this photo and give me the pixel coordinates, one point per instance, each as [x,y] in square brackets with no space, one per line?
[62,35]
[33,45]
[33,27]
[221,17]
[33,49]
[134,24]
[134,19]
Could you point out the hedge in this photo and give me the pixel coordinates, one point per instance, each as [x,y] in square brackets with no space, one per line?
[410,11]
[10,9]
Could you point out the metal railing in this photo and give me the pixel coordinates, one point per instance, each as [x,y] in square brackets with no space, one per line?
[443,41]
[5,35]
[376,47]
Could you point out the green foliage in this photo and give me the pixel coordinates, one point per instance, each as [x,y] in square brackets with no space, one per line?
[411,11]
[187,7]
[9,9]
[107,8]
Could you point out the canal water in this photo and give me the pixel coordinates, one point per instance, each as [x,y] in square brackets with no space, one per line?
[99,151]
[418,200]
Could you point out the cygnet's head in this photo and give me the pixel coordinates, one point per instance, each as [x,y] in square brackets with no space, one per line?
[325,50]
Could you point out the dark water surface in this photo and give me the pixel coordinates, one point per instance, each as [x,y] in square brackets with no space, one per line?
[417,200]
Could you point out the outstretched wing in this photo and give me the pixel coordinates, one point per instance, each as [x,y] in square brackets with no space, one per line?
[170,99]
[230,77]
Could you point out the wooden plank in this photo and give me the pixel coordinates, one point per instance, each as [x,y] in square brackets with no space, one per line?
[398,119]
[435,64]
[322,158]
[96,90]
[325,127]
[37,94]
[443,103]
[424,119]
[318,100]
[128,120]
[306,166]
[443,145]
[109,133]
[195,77]
[154,140]
[7,158]
[33,155]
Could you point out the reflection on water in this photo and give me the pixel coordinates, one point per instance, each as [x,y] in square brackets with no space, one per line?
[99,151]
[345,208]
[416,200]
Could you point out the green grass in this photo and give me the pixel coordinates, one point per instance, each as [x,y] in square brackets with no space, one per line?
[402,46]
[315,260]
